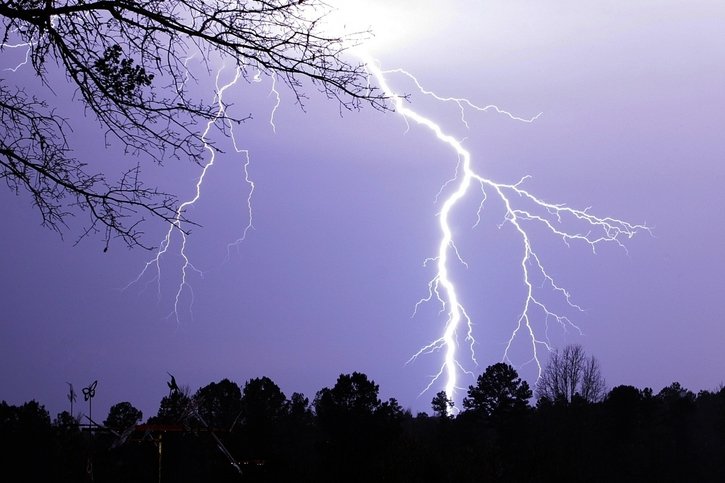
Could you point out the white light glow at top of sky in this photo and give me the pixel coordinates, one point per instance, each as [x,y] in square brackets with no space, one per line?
[391,23]
[479,25]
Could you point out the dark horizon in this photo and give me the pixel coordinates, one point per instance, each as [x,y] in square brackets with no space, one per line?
[225,432]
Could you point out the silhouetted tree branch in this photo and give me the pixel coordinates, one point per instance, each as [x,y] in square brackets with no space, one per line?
[571,373]
[127,61]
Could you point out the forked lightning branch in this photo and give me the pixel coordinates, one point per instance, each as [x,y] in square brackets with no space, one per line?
[555,218]
[458,329]
[522,211]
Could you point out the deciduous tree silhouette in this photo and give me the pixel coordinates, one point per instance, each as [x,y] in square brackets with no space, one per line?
[127,61]
[571,373]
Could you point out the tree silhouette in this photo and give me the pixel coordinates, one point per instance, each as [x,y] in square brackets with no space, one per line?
[122,416]
[571,374]
[71,455]
[65,421]
[346,414]
[25,436]
[263,402]
[632,435]
[263,408]
[175,408]
[498,391]
[219,404]
[127,62]
[442,405]
[299,409]
[353,396]
[675,394]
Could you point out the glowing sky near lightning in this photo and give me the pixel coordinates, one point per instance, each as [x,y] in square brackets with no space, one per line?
[345,215]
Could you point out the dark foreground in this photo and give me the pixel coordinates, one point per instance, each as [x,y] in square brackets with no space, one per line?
[223,434]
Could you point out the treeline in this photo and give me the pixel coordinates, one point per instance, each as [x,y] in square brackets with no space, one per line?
[227,433]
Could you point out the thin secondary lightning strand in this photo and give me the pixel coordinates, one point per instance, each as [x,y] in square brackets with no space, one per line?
[551,216]
[176,227]
[27,46]
[250,195]
[278,100]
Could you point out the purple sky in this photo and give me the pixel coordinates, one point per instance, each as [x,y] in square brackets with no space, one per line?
[345,215]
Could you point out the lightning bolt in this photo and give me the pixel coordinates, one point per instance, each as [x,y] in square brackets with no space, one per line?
[521,208]
[278,100]
[27,47]
[521,211]
[177,226]
[248,180]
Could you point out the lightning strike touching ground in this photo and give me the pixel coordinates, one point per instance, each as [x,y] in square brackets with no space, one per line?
[521,211]
[521,208]
[177,227]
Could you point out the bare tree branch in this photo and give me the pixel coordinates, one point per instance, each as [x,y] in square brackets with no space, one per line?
[127,62]
[570,373]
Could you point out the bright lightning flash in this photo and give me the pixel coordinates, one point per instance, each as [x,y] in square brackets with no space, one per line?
[554,217]
[521,210]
